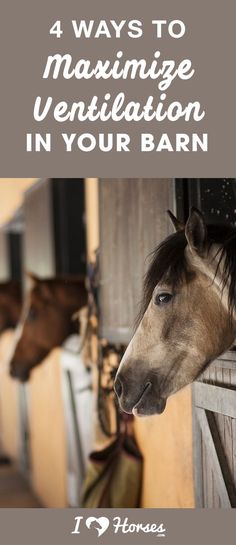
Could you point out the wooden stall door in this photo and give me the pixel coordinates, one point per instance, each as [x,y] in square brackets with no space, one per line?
[215,392]
[10,438]
[133,221]
[47,432]
[215,434]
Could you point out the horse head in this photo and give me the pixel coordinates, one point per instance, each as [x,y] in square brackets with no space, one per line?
[46,321]
[187,316]
[10,304]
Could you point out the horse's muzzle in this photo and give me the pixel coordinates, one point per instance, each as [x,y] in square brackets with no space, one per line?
[136,399]
[19,374]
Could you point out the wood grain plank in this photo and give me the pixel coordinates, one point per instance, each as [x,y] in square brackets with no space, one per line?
[210,443]
[215,398]
[132,222]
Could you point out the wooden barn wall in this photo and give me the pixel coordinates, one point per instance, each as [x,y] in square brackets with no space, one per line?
[55,230]
[39,256]
[133,221]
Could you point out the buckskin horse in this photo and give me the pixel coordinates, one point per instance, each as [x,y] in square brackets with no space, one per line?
[10,304]
[187,317]
[46,321]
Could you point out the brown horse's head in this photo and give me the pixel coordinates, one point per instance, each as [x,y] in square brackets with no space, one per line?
[187,317]
[10,304]
[46,321]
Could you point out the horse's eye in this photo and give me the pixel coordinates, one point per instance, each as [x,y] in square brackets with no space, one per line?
[32,315]
[163,298]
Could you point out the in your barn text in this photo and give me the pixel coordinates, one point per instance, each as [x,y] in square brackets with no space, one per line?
[120,142]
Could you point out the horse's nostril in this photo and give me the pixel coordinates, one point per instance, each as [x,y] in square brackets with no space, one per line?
[24,377]
[118,387]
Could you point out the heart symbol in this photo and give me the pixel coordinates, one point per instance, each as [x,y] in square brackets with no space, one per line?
[103,523]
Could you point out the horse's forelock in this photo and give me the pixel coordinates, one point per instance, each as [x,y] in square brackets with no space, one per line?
[168,264]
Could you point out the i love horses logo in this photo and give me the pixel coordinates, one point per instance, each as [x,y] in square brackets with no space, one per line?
[100,525]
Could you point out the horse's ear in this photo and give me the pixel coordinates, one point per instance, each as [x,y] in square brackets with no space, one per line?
[196,232]
[178,225]
[33,277]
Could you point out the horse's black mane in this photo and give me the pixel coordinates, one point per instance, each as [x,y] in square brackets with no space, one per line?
[169,264]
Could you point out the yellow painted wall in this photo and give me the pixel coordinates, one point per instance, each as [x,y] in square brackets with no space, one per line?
[47,432]
[166,443]
[92,219]
[46,424]
[11,194]
[9,402]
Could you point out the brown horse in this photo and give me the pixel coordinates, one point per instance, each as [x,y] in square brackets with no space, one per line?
[10,304]
[188,315]
[46,321]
